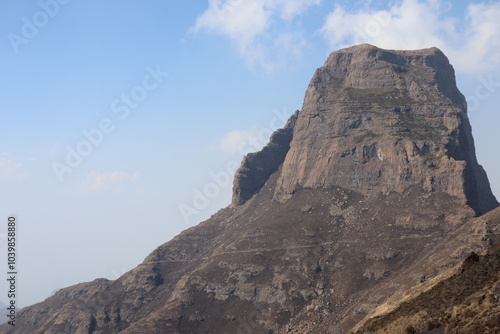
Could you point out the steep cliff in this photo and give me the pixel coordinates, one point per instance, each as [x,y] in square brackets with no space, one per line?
[257,167]
[372,188]
[378,121]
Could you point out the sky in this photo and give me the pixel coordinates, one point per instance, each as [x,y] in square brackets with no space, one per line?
[122,122]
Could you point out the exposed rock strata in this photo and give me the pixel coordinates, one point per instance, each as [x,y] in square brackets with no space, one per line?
[377,120]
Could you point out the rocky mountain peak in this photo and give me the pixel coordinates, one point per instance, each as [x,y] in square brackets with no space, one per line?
[368,67]
[377,121]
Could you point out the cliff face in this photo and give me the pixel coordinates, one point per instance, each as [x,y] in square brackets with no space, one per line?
[372,188]
[379,121]
[257,167]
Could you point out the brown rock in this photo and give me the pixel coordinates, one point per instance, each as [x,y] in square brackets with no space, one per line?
[378,121]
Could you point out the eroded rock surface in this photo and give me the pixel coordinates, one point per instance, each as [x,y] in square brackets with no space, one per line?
[378,121]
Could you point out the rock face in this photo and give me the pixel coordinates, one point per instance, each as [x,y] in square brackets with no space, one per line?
[372,188]
[379,121]
[257,167]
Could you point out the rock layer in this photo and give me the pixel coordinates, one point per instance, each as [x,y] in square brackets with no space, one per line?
[372,188]
[378,120]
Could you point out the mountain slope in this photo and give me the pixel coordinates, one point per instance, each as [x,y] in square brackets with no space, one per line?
[371,188]
[466,303]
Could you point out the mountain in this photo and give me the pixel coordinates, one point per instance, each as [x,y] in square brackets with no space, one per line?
[371,189]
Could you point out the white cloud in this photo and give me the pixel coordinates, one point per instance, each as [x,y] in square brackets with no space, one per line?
[288,9]
[10,169]
[238,141]
[250,24]
[482,36]
[471,42]
[239,19]
[246,141]
[110,182]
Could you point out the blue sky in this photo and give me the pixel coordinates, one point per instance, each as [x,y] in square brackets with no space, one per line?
[162,99]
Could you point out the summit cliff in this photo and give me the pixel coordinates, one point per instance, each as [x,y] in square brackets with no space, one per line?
[376,120]
[372,188]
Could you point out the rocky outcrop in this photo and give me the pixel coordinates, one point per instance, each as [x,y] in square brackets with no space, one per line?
[379,121]
[371,189]
[257,167]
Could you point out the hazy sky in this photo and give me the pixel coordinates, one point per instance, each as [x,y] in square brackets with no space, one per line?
[121,121]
